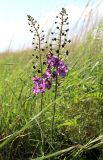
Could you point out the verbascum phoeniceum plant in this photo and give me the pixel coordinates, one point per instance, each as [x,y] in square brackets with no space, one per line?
[55,66]
[38,41]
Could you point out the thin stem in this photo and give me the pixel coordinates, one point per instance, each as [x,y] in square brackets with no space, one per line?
[37,36]
[60,38]
[40,58]
[54,110]
[56,81]
[41,103]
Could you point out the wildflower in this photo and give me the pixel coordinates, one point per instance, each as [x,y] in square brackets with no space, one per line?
[52,60]
[40,85]
[48,83]
[36,80]
[62,69]
[48,73]
[55,67]
[39,88]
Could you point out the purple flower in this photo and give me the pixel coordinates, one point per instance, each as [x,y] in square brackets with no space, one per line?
[36,80]
[62,69]
[48,83]
[48,73]
[39,87]
[56,62]
[54,67]
[41,84]
[52,60]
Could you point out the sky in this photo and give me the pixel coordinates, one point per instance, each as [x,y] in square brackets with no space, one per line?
[14,29]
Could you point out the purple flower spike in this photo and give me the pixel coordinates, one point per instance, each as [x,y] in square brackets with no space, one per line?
[36,80]
[54,67]
[52,60]
[56,62]
[39,87]
[47,74]
[62,69]
[41,84]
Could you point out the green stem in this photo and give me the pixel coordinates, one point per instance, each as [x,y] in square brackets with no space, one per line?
[54,109]
[56,86]
[41,102]
[60,38]
[40,56]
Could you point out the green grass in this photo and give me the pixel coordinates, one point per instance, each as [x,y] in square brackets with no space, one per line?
[79,106]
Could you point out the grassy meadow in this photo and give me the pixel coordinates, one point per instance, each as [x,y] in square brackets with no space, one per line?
[25,132]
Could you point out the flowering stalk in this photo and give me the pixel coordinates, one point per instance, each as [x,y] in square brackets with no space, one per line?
[37,42]
[55,66]
[61,41]
[39,83]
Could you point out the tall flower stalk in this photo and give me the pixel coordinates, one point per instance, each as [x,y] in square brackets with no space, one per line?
[37,43]
[60,42]
[54,65]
